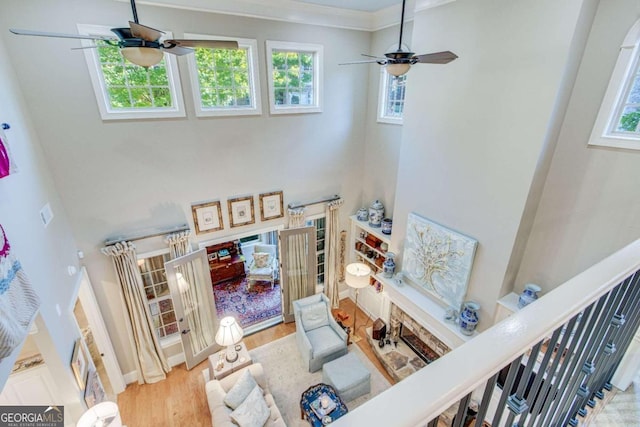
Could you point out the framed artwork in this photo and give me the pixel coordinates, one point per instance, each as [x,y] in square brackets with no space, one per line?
[271,205]
[241,211]
[207,217]
[80,363]
[438,259]
[94,393]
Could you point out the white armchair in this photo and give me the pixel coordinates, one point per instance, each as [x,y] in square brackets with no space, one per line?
[264,266]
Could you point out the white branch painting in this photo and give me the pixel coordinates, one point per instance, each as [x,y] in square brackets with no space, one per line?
[438,259]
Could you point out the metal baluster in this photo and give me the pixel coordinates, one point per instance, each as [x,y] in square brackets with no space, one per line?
[570,382]
[603,330]
[486,399]
[462,411]
[517,403]
[506,389]
[535,388]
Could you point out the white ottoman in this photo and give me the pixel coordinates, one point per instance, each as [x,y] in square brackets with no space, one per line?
[348,376]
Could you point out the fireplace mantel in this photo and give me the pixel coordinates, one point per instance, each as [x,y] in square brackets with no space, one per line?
[424,310]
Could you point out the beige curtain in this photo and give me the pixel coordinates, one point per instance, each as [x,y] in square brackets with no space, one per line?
[196,309]
[332,259]
[296,260]
[151,363]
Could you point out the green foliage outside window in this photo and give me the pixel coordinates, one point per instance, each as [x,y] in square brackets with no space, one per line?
[223,75]
[629,121]
[293,77]
[132,86]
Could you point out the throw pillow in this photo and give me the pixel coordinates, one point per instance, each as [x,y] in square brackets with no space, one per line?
[253,412]
[240,390]
[314,316]
[260,259]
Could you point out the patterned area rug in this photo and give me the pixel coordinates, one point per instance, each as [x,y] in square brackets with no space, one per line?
[248,307]
[288,378]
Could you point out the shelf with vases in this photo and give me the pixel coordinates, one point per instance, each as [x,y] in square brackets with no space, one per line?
[376,231]
[369,261]
[374,249]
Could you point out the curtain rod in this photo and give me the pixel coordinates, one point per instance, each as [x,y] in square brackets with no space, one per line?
[140,236]
[296,205]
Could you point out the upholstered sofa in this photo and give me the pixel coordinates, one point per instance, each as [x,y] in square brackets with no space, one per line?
[319,337]
[217,390]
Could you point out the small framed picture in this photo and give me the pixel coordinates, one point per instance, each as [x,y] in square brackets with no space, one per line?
[94,393]
[241,211]
[207,217]
[271,205]
[80,363]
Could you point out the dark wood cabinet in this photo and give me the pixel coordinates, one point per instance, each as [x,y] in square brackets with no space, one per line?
[225,262]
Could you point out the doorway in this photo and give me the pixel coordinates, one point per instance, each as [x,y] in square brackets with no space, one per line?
[255,301]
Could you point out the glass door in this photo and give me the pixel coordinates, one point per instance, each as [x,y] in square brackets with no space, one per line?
[190,284]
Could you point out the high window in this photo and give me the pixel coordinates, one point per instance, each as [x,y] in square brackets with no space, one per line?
[618,121]
[156,289]
[128,91]
[224,81]
[391,97]
[295,76]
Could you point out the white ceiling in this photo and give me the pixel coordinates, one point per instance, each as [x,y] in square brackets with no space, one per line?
[367,15]
[364,5]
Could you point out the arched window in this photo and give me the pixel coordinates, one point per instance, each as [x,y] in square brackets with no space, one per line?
[618,121]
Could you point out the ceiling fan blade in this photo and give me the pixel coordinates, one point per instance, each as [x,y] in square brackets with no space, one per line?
[212,44]
[177,50]
[370,61]
[85,47]
[58,35]
[145,33]
[436,58]
[372,56]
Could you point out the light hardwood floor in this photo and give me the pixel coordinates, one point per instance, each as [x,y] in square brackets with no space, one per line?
[180,400]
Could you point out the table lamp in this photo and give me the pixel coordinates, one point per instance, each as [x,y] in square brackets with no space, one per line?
[101,415]
[229,334]
[357,276]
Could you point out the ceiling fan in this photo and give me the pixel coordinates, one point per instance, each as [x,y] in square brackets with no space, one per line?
[399,62]
[138,43]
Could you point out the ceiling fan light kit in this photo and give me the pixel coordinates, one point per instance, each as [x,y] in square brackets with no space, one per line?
[397,69]
[143,56]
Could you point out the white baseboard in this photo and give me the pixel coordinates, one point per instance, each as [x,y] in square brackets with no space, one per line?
[132,377]
[344,294]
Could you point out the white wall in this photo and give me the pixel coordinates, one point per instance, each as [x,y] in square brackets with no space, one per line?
[383,140]
[590,205]
[475,128]
[120,177]
[45,253]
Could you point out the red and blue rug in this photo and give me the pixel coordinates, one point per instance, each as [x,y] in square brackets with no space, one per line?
[248,307]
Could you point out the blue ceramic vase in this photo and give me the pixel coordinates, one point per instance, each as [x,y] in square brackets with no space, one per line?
[389,265]
[529,295]
[469,317]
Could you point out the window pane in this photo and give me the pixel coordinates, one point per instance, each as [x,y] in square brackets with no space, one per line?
[629,120]
[224,77]
[293,77]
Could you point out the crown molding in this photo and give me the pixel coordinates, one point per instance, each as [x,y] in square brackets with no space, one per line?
[300,12]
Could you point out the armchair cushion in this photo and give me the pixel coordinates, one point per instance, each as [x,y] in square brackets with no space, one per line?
[261,259]
[253,412]
[314,316]
[240,390]
[324,340]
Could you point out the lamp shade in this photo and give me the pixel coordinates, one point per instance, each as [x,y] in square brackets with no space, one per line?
[101,415]
[229,332]
[398,69]
[357,275]
[143,56]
